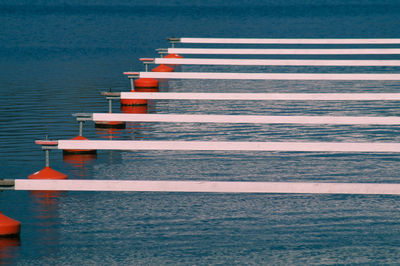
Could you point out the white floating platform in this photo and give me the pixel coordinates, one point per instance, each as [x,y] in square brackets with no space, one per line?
[232,51]
[208,186]
[263,96]
[262,76]
[287,41]
[190,118]
[274,62]
[228,146]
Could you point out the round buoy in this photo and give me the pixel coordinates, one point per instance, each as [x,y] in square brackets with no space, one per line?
[173,56]
[110,124]
[142,85]
[8,226]
[47,173]
[177,56]
[78,151]
[146,83]
[134,109]
[162,68]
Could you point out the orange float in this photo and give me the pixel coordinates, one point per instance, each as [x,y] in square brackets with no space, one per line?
[142,85]
[177,56]
[162,68]
[146,83]
[79,151]
[8,226]
[109,124]
[173,56]
[47,173]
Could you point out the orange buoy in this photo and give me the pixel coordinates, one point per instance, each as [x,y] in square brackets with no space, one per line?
[79,151]
[138,109]
[162,68]
[8,226]
[47,173]
[177,56]
[109,124]
[173,56]
[146,83]
[142,85]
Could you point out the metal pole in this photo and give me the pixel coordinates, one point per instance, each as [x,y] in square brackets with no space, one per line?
[110,106]
[80,128]
[47,152]
[132,84]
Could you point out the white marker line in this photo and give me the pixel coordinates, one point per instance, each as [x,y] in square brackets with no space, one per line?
[288,41]
[283,51]
[273,62]
[208,186]
[229,146]
[263,96]
[264,76]
[179,118]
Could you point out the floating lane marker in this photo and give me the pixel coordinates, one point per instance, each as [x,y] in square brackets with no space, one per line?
[350,51]
[190,118]
[262,76]
[229,146]
[285,41]
[208,186]
[274,62]
[263,96]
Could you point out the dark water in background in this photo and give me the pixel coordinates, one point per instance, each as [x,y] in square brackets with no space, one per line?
[56,58]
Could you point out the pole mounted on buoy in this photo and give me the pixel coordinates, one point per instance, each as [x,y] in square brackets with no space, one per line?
[104,124]
[160,68]
[47,172]
[173,40]
[140,85]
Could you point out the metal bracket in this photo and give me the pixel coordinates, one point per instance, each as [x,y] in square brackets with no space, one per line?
[83,116]
[173,41]
[7,184]
[146,62]
[47,144]
[114,95]
[162,51]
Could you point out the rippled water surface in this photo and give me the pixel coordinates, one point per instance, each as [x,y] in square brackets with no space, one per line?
[57,57]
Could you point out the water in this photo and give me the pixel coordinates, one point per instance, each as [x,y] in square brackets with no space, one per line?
[57,57]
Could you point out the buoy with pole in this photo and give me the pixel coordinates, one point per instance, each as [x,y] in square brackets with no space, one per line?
[141,85]
[79,137]
[47,172]
[108,124]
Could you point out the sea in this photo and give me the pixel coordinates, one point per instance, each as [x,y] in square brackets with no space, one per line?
[56,57]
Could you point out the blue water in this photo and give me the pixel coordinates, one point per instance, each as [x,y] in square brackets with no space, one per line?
[56,58]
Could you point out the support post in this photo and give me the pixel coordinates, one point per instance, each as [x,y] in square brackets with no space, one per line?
[80,128]
[110,105]
[47,157]
[132,84]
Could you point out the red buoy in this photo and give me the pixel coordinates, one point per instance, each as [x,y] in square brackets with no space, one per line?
[142,85]
[78,151]
[8,226]
[173,56]
[47,173]
[110,124]
[162,68]
[134,109]
[146,83]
